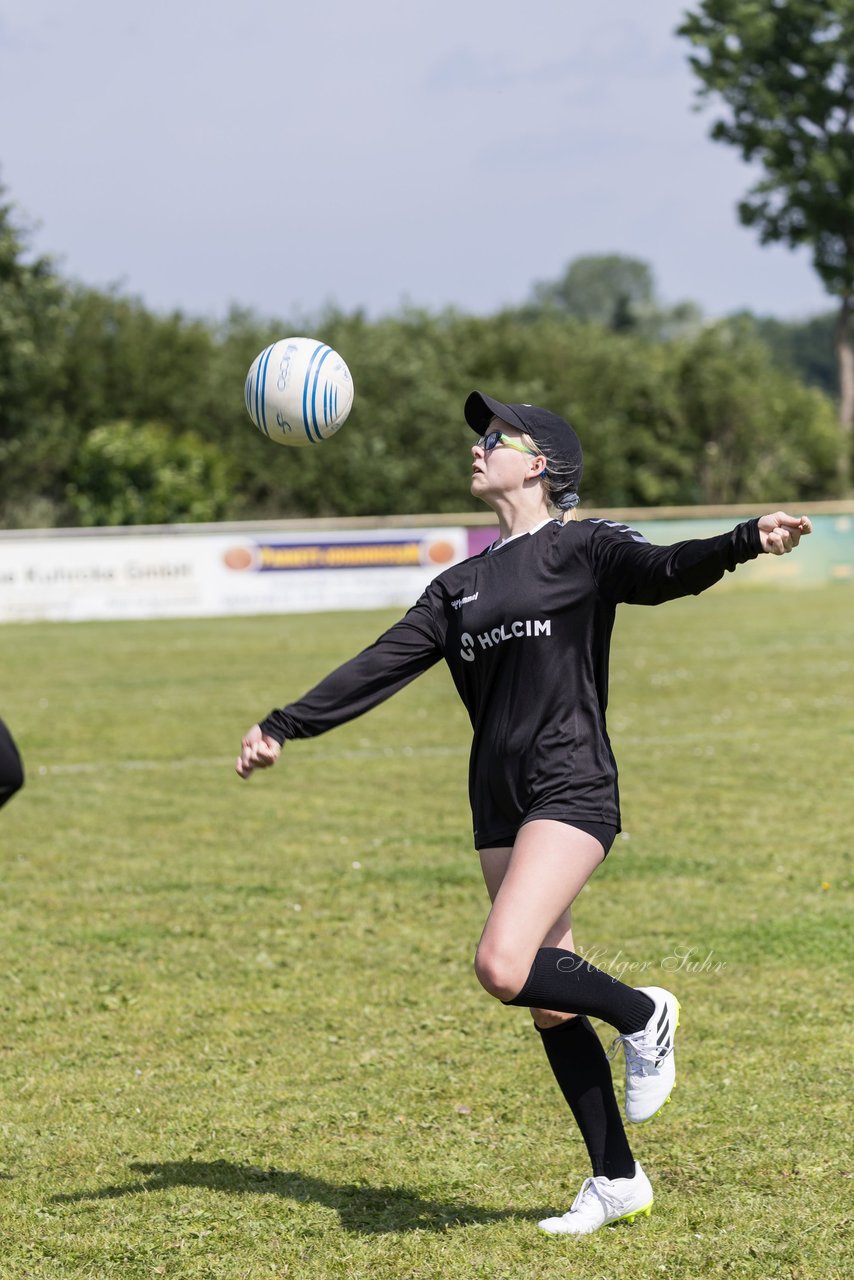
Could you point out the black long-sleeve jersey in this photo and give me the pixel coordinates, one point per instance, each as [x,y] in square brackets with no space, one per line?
[525,629]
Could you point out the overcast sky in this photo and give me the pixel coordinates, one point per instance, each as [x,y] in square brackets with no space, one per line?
[440,152]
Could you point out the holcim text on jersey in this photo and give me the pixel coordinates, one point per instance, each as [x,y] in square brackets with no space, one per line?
[507,631]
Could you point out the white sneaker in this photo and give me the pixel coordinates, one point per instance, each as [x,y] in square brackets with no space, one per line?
[650,1061]
[603,1200]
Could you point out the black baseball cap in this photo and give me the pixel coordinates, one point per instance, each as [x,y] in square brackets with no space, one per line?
[552,434]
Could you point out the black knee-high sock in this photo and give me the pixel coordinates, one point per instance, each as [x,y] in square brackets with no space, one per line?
[584,1074]
[565,982]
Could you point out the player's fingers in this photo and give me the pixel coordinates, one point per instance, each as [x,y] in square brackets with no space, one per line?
[256,752]
[249,756]
[801,524]
[800,530]
[269,750]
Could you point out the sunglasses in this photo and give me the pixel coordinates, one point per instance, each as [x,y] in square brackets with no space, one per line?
[493,439]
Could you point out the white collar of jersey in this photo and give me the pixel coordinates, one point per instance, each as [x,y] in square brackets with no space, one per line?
[502,542]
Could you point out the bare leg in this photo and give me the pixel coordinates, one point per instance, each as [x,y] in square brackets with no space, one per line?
[574,1053]
[494,863]
[546,869]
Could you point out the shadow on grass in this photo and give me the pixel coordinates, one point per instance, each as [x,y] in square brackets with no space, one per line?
[362,1209]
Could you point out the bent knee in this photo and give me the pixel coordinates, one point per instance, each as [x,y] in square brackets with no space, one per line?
[502,976]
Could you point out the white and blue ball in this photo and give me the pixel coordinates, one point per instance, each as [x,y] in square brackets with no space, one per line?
[298,391]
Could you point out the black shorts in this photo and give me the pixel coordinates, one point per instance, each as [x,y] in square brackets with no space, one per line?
[604,832]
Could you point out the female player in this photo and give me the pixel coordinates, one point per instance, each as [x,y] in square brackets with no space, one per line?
[525,629]
[11,769]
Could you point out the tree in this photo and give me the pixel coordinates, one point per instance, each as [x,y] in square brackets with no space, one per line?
[803,347]
[785,71]
[129,474]
[110,413]
[617,293]
[601,289]
[122,361]
[756,433]
[34,437]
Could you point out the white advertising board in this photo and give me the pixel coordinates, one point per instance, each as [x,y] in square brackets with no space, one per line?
[89,577]
[80,575]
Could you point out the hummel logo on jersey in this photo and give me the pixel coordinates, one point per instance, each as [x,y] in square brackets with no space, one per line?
[623,528]
[461,600]
[507,631]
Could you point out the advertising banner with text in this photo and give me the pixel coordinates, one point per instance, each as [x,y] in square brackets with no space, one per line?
[76,575]
[189,575]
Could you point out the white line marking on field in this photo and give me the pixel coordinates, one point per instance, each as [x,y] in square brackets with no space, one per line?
[621,741]
[221,762]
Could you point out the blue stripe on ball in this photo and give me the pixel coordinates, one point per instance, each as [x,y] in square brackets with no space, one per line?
[305,383]
[327,351]
[256,416]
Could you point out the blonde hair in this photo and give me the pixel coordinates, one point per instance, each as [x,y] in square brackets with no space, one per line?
[559,481]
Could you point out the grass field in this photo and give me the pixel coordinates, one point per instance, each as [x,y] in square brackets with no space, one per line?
[241,1034]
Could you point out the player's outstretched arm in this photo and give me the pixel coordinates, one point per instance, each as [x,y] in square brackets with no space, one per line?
[257,751]
[780,533]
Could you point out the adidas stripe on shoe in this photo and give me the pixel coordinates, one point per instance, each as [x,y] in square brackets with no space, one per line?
[650,1060]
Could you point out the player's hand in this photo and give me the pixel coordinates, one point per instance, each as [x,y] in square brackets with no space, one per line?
[781,533]
[257,751]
